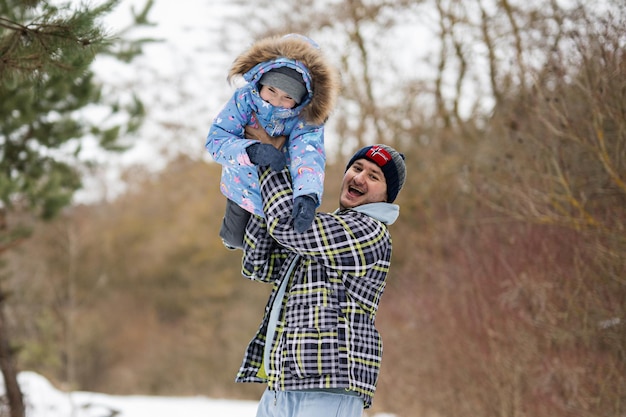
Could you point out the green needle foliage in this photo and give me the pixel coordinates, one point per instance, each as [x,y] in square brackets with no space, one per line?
[46,84]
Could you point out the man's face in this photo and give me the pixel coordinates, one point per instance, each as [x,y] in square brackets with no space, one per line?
[364,182]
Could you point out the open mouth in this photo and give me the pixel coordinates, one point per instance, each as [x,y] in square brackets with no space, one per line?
[356,191]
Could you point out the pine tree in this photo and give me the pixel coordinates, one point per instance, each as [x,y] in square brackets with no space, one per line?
[46,54]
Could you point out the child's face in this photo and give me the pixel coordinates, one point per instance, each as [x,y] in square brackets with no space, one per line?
[277,97]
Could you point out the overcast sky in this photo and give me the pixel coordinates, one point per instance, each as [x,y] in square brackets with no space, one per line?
[181,79]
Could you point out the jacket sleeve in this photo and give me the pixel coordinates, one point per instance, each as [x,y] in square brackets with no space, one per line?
[351,242]
[225,140]
[308,161]
[263,257]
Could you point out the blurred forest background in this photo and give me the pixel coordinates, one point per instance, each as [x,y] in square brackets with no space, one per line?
[507,292]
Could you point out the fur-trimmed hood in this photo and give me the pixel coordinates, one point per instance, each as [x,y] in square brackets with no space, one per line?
[302,54]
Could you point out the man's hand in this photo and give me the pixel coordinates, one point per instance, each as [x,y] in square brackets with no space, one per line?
[303,212]
[263,154]
[256,132]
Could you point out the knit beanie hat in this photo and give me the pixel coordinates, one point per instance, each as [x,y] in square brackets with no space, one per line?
[288,80]
[390,161]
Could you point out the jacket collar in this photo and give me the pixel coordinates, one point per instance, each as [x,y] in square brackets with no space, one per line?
[385,212]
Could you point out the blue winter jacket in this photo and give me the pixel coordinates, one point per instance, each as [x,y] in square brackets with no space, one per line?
[305,132]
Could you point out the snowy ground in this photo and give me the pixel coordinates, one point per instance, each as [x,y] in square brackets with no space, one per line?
[44,400]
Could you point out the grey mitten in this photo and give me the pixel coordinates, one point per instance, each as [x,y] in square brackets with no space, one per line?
[264,154]
[303,212]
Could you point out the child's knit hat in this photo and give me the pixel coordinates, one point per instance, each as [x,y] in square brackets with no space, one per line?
[390,161]
[288,80]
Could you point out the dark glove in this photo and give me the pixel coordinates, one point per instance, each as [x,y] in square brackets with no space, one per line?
[264,154]
[303,212]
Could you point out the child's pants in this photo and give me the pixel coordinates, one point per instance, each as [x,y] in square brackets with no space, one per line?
[234,225]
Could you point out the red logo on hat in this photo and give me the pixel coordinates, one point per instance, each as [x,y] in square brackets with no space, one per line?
[378,155]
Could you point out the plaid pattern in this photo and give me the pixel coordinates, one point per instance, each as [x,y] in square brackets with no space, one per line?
[325,336]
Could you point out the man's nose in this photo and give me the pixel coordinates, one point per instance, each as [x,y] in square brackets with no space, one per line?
[359,178]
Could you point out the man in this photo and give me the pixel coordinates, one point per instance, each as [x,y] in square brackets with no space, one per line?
[317,347]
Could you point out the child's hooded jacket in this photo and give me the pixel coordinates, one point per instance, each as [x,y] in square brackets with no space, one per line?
[303,125]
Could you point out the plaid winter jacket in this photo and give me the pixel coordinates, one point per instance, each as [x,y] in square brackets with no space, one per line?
[325,336]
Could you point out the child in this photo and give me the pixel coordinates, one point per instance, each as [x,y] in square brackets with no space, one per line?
[290,92]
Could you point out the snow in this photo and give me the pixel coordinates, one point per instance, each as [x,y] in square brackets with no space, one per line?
[42,399]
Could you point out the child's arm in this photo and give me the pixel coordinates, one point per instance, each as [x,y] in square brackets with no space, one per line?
[224,138]
[308,162]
